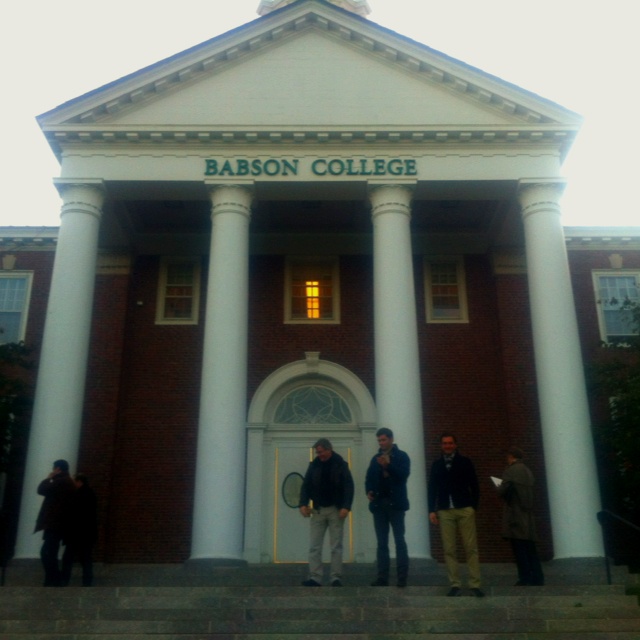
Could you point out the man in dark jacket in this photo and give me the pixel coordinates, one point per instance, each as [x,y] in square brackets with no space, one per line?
[53,519]
[386,487]
[453,500]
[518,524]
[329,485]
[82,532]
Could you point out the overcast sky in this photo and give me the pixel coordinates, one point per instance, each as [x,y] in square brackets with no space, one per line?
[583,55]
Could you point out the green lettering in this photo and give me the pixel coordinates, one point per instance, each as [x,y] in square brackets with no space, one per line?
[410,168]
[242,167]
[256,168]
[290,166]
[336,167]
[350,171]
[380,168]
[395,167]
[363,167]
[226,169]
[271,167]
[315,167]
[211,168]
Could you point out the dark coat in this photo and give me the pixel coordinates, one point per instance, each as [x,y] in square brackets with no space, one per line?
[341,489]
[83,520]
[55,510]
[461,483]
[398,469]
[517,492]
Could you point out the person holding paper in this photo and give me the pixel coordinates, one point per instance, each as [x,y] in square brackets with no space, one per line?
[518,525]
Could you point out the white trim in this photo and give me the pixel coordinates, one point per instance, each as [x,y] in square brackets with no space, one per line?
[24,314]
[334,263]
[162,283]
[610,273]
[461,284]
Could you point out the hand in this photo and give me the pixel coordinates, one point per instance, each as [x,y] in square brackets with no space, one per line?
[305,511]
[343,513]
[383,461]
[371,496]
[433,518]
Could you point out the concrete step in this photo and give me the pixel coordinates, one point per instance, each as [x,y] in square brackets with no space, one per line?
[296,612]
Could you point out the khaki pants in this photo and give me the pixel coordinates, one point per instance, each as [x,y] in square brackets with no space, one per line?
[323,519]
[464,521]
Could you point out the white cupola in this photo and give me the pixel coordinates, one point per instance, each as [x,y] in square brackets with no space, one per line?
[359,7]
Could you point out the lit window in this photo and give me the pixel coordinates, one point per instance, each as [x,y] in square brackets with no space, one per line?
[312,291]
[445,291]
[613,290]
[15,292]
[179,292]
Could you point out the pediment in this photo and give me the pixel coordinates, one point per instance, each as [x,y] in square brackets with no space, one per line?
[309,69]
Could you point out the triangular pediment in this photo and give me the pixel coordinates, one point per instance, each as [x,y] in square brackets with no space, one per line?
[309,69]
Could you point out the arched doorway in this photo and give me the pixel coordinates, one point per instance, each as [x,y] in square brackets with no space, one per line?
[292,408]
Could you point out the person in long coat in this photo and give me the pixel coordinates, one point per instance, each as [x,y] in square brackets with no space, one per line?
[518,523]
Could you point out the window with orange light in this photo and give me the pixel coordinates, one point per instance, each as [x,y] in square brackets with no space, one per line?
[178,291]
[446,294]
[312,291]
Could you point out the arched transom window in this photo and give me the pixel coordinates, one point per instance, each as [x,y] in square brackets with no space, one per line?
[312,404]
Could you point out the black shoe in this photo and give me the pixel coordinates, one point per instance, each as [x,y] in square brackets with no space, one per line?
[454,592]
[379,582]
[402,583]
[477,593]
[336,583]
[311,583]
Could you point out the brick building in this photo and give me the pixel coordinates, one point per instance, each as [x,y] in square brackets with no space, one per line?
[308,226]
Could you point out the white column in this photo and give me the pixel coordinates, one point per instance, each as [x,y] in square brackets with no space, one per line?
[398,395]
[568,445]
[57,412]
[218,519]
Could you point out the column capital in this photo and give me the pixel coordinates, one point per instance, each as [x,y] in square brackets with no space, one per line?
[535,194]
[388,198]
[236,197]
[86,195]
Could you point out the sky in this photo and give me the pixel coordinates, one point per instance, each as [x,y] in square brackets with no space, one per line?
[582,55]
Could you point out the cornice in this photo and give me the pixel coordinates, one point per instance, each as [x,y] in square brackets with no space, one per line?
[28,238]
[602,238]
[61,135]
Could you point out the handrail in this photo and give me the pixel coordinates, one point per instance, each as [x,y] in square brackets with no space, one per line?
[602,515]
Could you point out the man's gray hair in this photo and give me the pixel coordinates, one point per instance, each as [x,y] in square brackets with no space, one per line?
[324,443]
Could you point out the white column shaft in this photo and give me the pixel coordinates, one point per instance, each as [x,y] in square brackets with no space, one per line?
[57,412]
[568,445]
[220,469]
[398,395]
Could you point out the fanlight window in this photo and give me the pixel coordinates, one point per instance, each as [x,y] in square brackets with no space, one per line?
[312,404]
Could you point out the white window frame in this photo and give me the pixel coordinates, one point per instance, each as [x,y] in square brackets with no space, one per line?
[24,312]
[463,310]
[600,307]
[162,291]
[294,261]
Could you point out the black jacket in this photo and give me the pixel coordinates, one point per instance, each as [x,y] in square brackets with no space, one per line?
[399,469]
[341,483]
[461,483]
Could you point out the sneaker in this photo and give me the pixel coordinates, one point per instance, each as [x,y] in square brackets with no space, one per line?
[477,593]
[454,592]
[311,583]
[379,582]
[336,583]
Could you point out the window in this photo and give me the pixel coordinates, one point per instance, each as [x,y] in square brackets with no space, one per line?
[178,291]
[15,292]
[612,289]
[312,291]
[446,293]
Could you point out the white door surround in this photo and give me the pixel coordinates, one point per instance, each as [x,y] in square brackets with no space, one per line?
[265,437]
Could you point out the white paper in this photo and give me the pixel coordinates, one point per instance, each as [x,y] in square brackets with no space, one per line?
[496,481]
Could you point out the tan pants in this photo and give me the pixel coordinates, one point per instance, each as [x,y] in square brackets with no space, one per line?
[464,521]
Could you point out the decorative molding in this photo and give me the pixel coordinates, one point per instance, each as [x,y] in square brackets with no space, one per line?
[113,264]
[509,263]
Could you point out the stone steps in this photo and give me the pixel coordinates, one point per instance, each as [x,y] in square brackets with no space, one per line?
[265,603]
